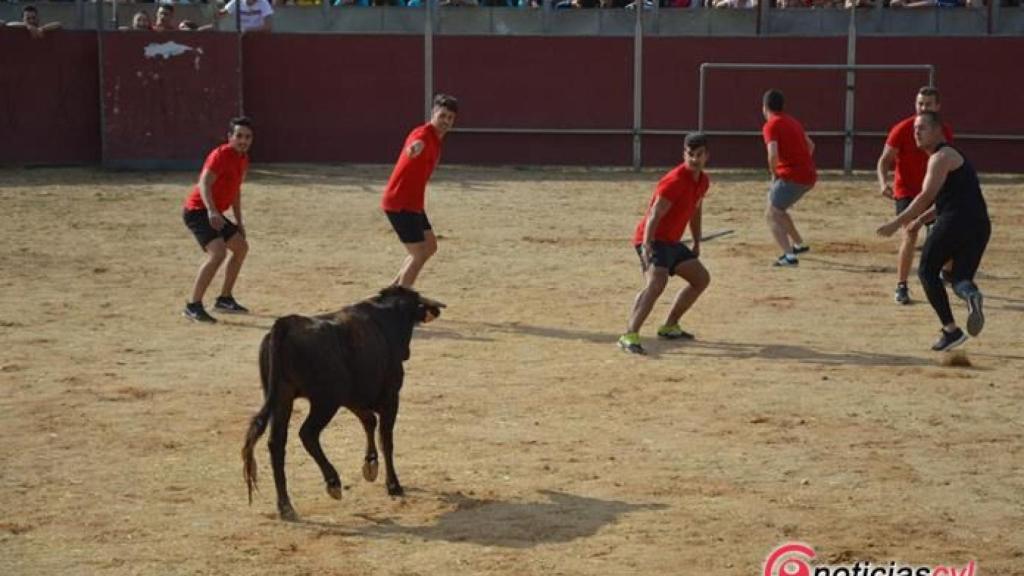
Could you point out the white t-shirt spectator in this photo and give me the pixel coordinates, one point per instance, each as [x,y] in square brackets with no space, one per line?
[252,14]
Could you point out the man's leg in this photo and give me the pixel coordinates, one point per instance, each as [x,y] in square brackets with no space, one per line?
[790,228]
[698,278]
[239,247]
[419,253]
[644,302]
[937,250]
[777,225]
[216,251]
[969,250]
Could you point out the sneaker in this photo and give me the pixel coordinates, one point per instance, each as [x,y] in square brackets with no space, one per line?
[800,248]
[787,260]
[949,340]
[630,342]
[674,332]
[902,295]
[975,317]
[228,304]
[194,311]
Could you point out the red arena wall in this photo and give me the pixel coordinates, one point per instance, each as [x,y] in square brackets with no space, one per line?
[352,98]
[49,99]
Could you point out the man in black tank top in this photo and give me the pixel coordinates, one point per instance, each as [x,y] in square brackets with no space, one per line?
[960,234]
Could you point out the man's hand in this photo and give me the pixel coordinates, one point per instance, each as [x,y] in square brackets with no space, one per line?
[696,248]
[241,229]
[888,229]
[915,225]
[645,255]
[216,219]
[887,191]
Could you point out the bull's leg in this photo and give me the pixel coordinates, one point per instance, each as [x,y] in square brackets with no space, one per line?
[320,413]
[277,442]
[370,464]
[387,426]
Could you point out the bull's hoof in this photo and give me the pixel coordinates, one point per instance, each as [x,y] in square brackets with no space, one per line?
[334,490]
[396,490]
[288,514]
[370,469]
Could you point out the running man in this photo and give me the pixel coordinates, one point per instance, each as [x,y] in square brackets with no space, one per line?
[220,188]
[676,202]
[960,233]
[910,163]
[793,174]
[403,199]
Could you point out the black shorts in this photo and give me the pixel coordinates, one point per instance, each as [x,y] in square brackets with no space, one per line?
[667,255]
[198,221]
[410,226]
[902,204]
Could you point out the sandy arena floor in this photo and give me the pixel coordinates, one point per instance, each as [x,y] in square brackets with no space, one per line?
[809,408]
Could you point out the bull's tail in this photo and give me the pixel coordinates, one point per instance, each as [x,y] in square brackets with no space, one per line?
[270,376]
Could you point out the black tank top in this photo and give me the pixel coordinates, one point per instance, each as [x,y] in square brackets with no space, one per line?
[960,196]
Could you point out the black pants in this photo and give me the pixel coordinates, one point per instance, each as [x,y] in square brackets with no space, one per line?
[962,241]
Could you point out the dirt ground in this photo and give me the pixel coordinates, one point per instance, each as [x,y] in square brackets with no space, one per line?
[810,407]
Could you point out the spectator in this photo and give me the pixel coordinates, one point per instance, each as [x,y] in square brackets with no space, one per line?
[30,22]
[140,21]
[192,26]
[165,19]
[257,15]
[925,3]
[735,4]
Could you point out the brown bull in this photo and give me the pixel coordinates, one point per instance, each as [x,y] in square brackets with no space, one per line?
[351,358]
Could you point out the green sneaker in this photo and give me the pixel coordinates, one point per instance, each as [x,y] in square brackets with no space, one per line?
[630,342]
[674,332]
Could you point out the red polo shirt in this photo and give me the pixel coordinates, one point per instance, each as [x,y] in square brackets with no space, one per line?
[407,186]
[795,163]
[230,168]
[678,187]
[911,161]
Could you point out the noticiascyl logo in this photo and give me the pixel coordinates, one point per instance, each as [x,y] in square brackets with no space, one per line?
[792,559]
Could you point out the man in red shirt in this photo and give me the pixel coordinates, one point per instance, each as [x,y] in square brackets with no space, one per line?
[403,198]
[793,174]
[676,202]
[219,188]
[911,163]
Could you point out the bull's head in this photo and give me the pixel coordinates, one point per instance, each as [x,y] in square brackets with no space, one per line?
[425,308]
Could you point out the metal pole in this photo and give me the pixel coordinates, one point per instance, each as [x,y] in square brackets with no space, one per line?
[428,58]
[638,77]
[99,56]
[700,99]
[241,58]
[851,91]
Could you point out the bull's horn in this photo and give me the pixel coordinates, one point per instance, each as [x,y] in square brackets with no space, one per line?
[430,302]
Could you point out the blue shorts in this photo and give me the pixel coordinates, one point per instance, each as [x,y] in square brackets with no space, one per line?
[785,193]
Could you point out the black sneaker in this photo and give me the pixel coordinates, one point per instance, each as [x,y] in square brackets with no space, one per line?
[975,317]
[787,260]
[194,311]
[228,304]
[902,295]
[949,340]
[800,248]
